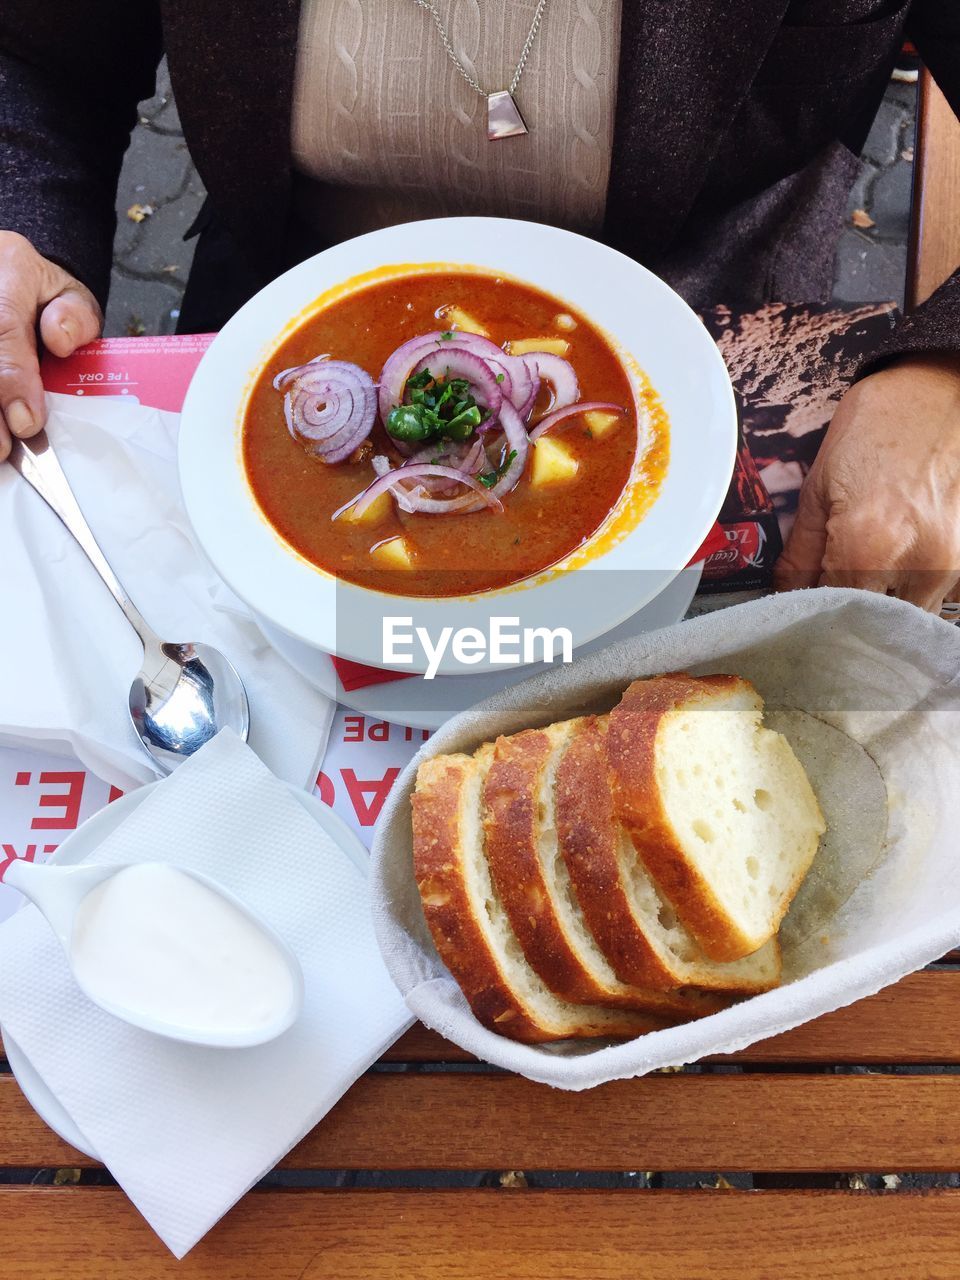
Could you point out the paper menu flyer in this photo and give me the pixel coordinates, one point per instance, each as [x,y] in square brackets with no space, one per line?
[364,758]
[153,371]
[44,797]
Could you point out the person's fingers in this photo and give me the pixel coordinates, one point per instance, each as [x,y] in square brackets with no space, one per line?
[883,581]
[21,392]
[69,320]
[35,291]
[801,562]
[862,553]
[5,442]
[930,564]
[932,603]
[27,283]
[950,609]
[927,588]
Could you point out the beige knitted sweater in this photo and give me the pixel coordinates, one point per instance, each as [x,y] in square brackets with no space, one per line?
[380,110]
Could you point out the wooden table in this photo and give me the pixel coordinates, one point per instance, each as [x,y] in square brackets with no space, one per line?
[435,1165]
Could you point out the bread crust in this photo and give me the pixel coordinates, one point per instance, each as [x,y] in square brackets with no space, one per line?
[510,797]
[438,867]
[439,874]
[512,827]
[632,732]
[588,831]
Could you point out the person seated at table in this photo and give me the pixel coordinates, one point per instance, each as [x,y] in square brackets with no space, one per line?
[715,141]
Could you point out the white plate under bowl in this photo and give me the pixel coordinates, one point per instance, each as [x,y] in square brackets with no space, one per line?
[426,704]
[646,322]
[79,845]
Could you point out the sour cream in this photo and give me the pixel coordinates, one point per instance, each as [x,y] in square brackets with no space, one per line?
[156,943]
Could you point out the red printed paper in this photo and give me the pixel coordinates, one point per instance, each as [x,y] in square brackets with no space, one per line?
[154,371]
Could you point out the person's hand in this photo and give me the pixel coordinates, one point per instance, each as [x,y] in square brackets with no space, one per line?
[35,294]
[880,508]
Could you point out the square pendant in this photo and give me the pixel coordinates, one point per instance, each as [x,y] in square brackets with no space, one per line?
[503,116]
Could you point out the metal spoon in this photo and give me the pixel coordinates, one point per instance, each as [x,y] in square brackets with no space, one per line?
[184,694]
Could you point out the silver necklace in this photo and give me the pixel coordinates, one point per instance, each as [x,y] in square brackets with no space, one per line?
[503,115]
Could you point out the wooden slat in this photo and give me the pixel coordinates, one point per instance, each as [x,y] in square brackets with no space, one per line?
[92,1233]
[782,1122]
[916,1021]
[935,231]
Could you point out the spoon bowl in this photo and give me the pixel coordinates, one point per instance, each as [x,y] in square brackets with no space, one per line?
[183,695]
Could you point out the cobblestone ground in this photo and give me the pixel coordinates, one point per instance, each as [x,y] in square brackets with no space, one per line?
[160,187]
[872,253]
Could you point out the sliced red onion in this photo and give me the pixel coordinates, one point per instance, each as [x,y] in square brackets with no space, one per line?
[382,467]
[463,457]
[474,342]
[558,372]
[287,375]
[330,406]
[526,408]
[399,366]
[414,471]
[495,356]
[405,493]
[571,411]
[520,385]
[425,495]
[475,458]
[449,506]
[458,362]
[525,383]
[517,442]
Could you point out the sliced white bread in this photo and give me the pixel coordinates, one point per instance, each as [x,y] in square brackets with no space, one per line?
[636,929]
[533,883]
[718,807]
[470,927]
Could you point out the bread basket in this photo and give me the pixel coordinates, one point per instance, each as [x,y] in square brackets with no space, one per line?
[866,689]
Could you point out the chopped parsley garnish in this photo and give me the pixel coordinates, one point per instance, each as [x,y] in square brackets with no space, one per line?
[440,408]
[489,480]
[499,377]
[447,336]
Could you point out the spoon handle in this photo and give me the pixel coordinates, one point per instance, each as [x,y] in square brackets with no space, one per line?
[55,891]
[37,462]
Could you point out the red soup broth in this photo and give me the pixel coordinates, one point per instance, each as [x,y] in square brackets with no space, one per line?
[449,554]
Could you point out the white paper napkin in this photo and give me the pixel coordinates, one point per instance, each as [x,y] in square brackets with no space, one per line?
[68,654]
[187,1130]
